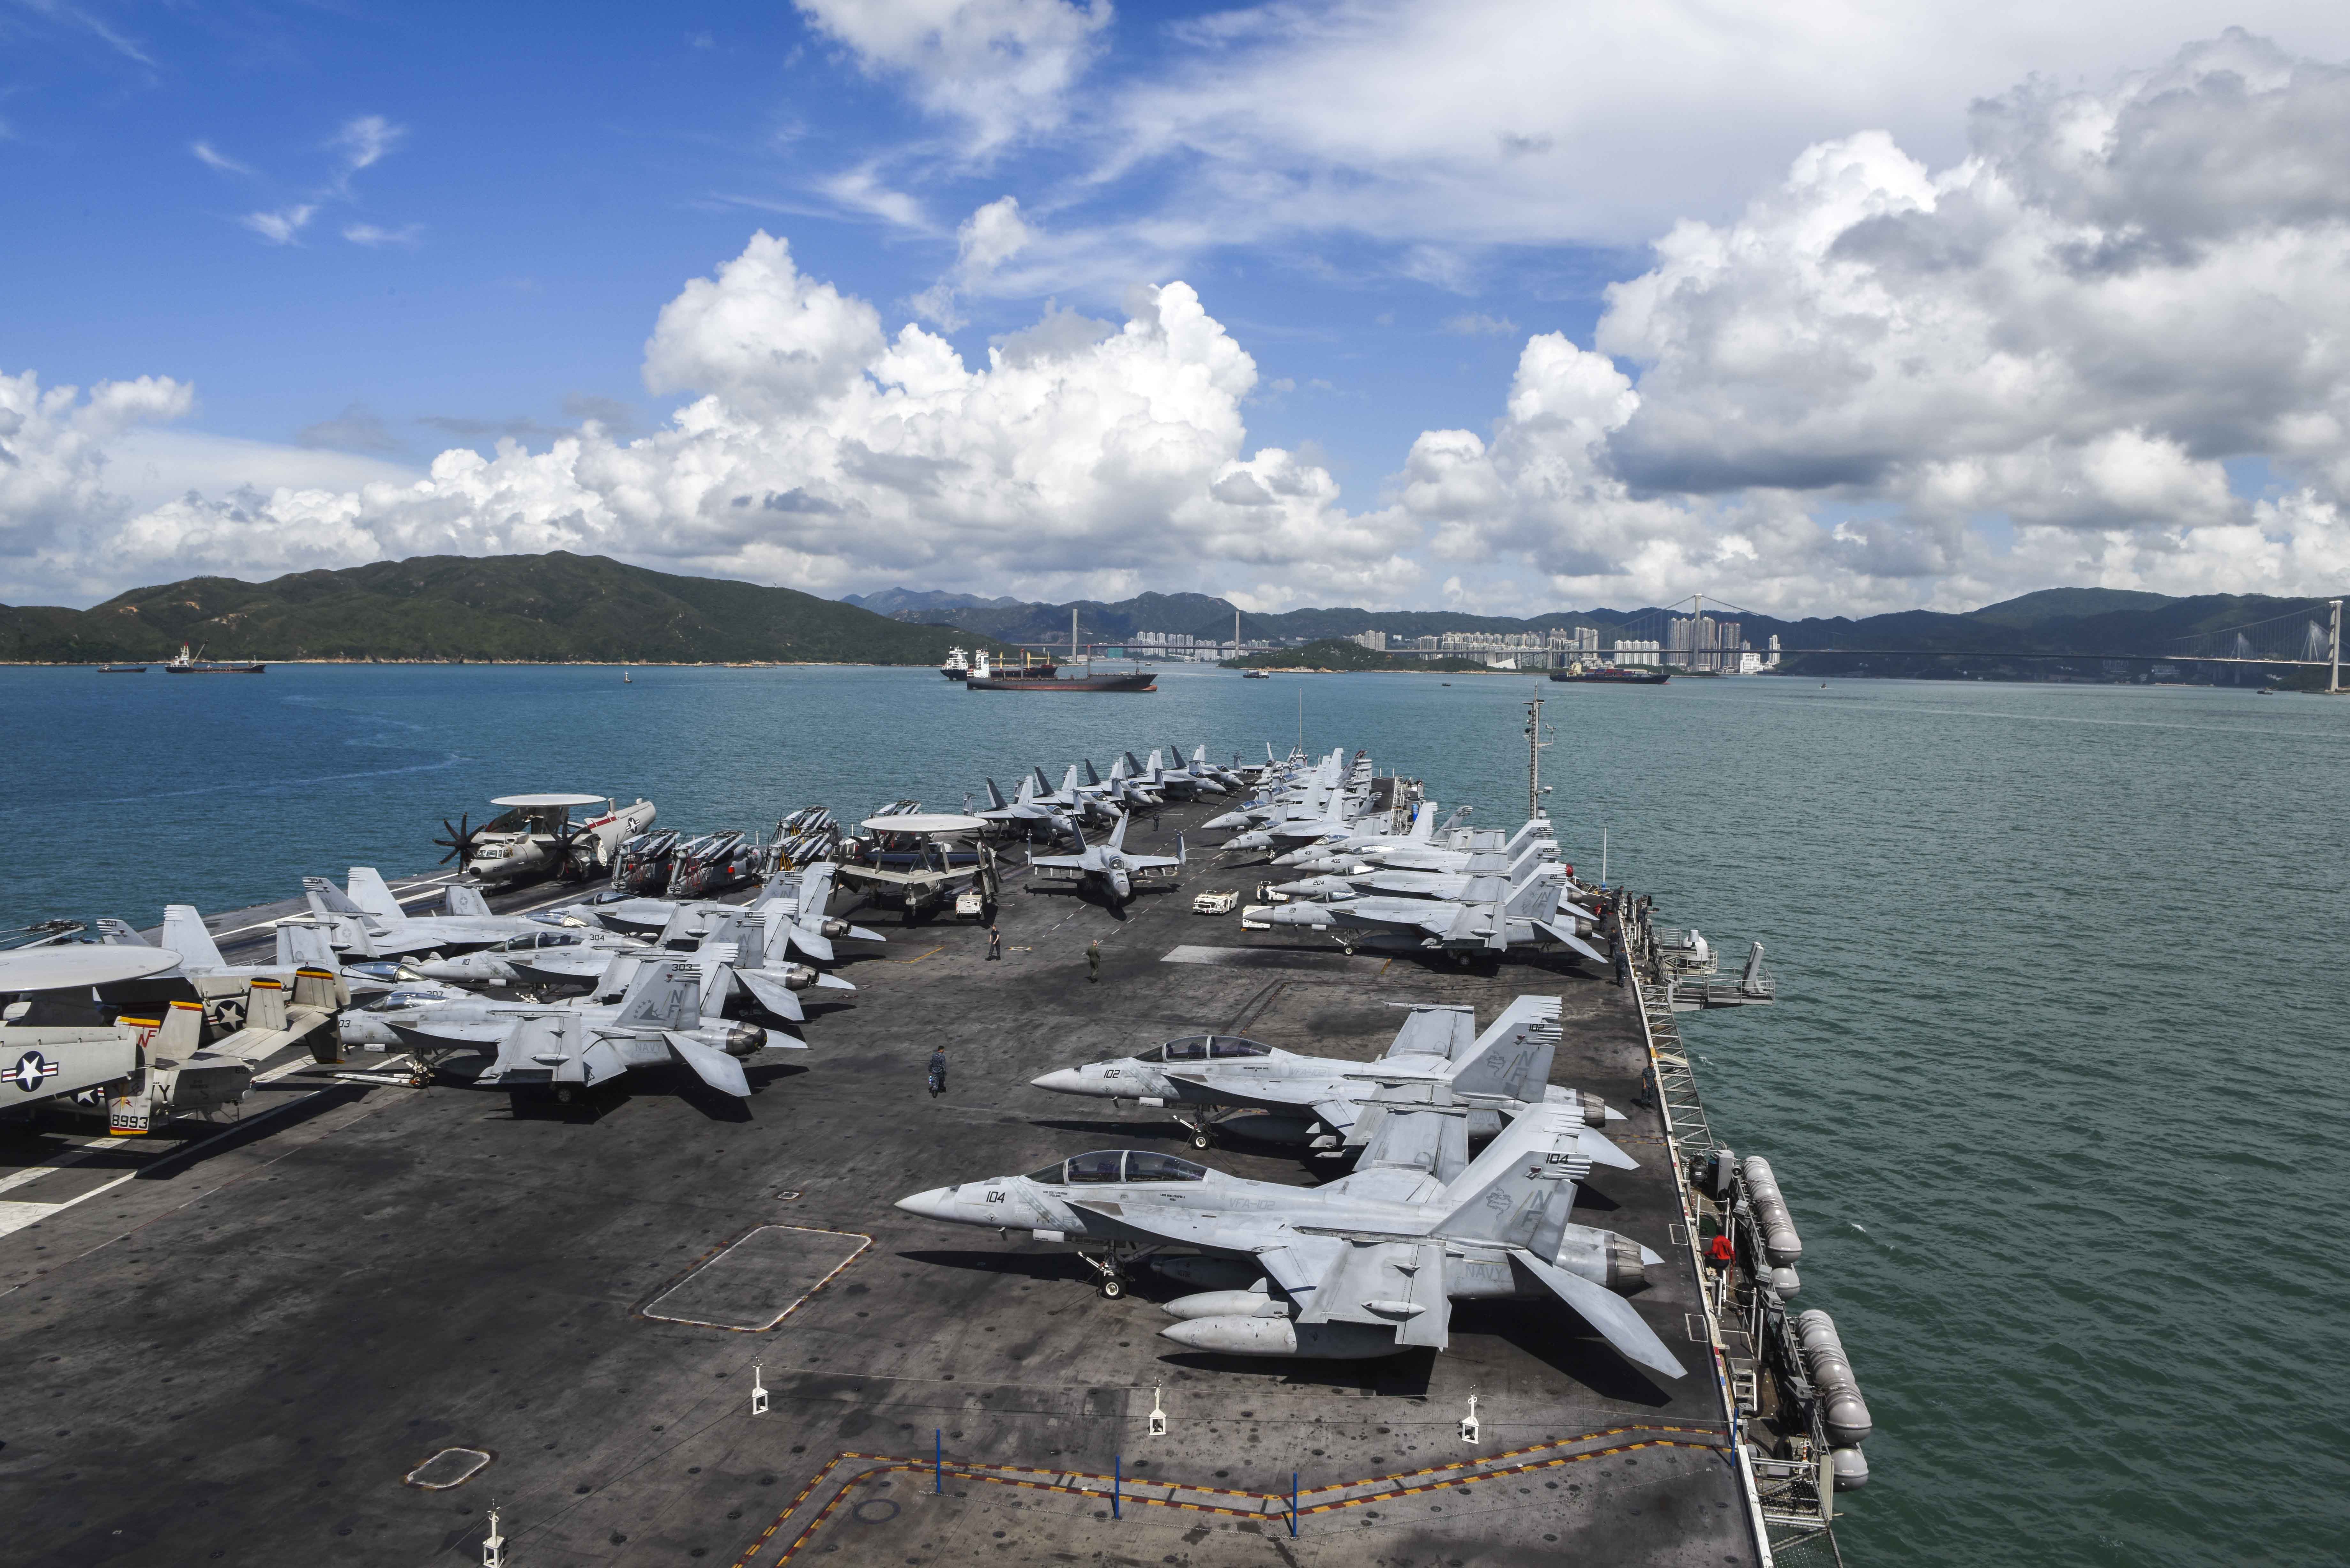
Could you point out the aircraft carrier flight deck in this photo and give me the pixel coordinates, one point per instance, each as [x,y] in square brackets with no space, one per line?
[343,1328]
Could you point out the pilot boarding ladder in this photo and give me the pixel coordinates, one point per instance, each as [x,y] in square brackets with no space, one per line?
[1783,1498]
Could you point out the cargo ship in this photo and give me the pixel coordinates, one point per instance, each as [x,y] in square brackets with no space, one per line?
[1048,678]
[1043,675]
[1613,674]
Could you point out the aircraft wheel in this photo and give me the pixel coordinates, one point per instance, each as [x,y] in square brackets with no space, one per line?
[565,1096]
[1201,1140]
[1112,1287]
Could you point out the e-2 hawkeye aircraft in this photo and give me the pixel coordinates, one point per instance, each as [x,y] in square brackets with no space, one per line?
[1367,1265]
[1206,1080]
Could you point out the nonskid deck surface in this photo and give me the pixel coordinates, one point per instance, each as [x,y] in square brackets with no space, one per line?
[239,1359]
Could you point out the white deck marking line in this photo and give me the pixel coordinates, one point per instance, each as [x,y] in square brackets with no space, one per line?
[132,1174]
[863,1242]
[64,1159]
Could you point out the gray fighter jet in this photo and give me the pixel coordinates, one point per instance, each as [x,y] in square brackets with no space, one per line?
[1166,774]
[1107,867]
[1073,799]
[1211,1081]
[1028,810]
[1364,1266]
[659,1021]
[1487,920]
[566,1049]
[370,921]
[1534,861]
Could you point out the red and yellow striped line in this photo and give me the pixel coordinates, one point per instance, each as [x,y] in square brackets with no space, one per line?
[1461,1473]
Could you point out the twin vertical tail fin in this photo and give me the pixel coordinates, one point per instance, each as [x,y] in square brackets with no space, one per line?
[301,944]
[184,934]
[462,898]
[1118,833]
[663,995]
[368,892]
[1515,1069]
[995,796]
[1519,1192]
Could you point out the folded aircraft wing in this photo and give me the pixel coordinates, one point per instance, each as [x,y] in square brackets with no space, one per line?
[771,992]
[1605,1311]
[1566,934]
[714,1067]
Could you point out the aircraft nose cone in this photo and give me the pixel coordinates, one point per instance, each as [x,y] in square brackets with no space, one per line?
[1062,1081]
[938,1203]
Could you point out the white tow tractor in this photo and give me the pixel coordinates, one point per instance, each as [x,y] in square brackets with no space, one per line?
[1220,903]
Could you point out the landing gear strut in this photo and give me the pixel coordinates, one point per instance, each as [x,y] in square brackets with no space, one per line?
[1201,1127]
[1111,1265]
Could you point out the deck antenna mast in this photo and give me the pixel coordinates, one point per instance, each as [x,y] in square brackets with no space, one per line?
[1536,745]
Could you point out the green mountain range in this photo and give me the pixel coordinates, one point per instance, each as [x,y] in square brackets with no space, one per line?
[551,608]
[562,608]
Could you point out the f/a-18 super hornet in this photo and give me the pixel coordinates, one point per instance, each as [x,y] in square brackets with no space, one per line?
[1028,811]
[1213,1082]
[561,957]
[658,1019]
[568,1052]
[535,837]
[1108,867]
[369,920]
[1075,801]
[1488,919]
[1364,1266]
[1535,859]
[1225,779]
[1341,849]
[799,895]
[1167,773]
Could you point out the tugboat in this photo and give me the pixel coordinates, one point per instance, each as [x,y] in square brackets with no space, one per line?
[186,663]
[1612,674]
[122,670]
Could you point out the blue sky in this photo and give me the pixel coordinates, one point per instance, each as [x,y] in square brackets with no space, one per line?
[342,240]
[561,182]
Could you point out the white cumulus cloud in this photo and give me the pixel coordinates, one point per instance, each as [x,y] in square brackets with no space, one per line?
[821,451]
[2066,333]
[1001,66]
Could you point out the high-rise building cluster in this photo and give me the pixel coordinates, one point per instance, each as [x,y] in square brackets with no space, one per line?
[1701,642]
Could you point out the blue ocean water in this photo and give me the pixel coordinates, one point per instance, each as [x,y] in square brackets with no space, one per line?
[2057,1083]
